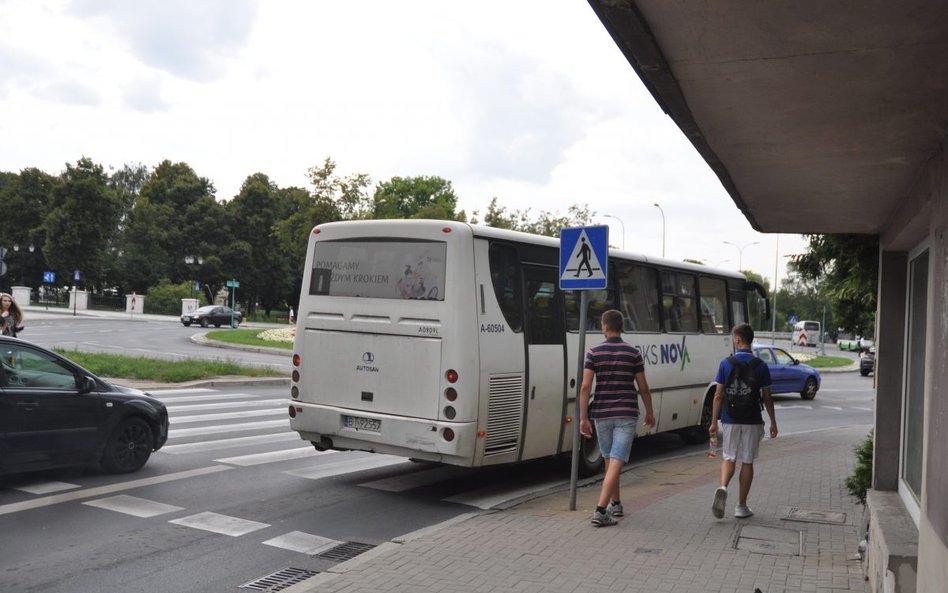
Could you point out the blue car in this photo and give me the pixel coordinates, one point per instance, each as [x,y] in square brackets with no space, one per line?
[788,374]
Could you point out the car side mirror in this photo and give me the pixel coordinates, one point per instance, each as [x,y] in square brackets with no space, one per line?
[86,384]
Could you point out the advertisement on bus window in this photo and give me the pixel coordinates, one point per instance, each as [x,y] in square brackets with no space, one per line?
[379,269]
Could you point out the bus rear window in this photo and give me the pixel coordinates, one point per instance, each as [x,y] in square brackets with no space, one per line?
[386,269]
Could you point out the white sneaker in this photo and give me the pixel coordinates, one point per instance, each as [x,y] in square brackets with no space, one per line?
[742,512]
[720,500]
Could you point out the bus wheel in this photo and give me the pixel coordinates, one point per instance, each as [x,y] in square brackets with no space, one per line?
[590,459]
[695,435]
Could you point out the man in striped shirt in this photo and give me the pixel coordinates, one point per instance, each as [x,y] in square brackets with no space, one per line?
[618,369]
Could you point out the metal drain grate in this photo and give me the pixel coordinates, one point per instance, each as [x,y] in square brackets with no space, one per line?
[346,551]
[279,580]
[815,516]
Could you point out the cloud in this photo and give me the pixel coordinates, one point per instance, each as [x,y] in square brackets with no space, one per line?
[184,38]
[145,94]
[70,92]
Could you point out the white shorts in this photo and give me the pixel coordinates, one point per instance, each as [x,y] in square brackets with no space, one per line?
[741,442]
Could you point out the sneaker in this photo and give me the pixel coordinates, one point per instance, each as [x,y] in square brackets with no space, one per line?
[615,509]
[603,519]
[720,499]
[742,512]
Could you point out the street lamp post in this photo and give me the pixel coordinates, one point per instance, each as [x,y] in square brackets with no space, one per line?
[663,226]
[621,224]
[16,248]
[740,252]
[190,259]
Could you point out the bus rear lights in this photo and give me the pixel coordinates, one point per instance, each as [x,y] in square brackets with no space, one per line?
[446,229]
[295,392]
[295,376]
[482,433]
[569,419]
[316,231]
[450,394]
[297,360]
[451,376]
[293,411]
[450,412]
[447,434]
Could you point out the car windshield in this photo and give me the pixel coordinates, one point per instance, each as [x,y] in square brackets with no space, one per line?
[205,310]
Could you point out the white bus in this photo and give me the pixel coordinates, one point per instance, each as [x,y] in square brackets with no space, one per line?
[452,343]
[806,333]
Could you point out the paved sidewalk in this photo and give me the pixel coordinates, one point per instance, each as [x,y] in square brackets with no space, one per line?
[668,540]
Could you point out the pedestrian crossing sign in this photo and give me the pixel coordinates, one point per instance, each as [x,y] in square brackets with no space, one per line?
[584,258]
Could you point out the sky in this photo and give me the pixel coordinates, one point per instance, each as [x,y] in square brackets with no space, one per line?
[530,102]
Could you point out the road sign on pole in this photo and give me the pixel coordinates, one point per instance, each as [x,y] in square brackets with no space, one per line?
[584,266]
[584,254]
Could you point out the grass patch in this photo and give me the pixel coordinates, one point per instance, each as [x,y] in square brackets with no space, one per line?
[164,371]
[829,362]
[247,337]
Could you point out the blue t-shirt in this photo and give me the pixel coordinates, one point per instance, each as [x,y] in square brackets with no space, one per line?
[615,364]
[763,380]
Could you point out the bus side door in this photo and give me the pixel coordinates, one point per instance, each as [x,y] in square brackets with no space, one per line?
[546,362]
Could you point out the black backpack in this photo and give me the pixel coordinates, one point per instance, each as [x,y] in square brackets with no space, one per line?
[742,391]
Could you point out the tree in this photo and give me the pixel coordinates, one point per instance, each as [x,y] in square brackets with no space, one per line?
[848,266]
[546,223]
[82,222]
[265,275]
[25,197]
[416,197]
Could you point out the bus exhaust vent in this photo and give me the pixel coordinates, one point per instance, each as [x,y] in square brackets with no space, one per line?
[279,580]
[504,414]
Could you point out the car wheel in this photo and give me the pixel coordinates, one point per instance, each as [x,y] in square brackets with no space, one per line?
[864,372]
[204,323]
[217,325]
[128,447]
[809,389]
[186,323]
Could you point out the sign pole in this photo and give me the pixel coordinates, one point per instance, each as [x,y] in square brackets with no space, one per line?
[574,469]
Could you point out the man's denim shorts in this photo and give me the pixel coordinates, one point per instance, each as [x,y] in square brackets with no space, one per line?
[615,437]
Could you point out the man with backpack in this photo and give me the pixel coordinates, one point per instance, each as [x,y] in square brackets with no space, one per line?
[743,386]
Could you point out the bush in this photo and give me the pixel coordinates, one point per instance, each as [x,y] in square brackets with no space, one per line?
[165,299]
[861,479]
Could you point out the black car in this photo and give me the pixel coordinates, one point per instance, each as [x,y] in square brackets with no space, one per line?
[54,413]
[215,315]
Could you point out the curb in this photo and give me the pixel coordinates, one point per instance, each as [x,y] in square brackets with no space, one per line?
[201,339]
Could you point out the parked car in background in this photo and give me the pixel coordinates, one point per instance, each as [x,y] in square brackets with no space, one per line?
[788,374]
[54,413]
[215,315]
[867,361]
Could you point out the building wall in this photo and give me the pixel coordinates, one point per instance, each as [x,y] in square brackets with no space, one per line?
[902,558]
[933,524]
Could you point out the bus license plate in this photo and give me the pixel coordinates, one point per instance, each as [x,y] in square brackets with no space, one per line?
[370,424]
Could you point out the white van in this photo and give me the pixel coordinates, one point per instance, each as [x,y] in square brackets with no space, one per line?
[806,333]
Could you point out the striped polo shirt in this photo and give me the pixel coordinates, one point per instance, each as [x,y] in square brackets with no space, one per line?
[615,364]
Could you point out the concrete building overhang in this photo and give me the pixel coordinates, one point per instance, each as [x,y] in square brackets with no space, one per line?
[817,117]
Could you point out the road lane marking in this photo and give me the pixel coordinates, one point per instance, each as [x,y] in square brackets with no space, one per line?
[183,391]
[273,456]
[490,496]
[202,398]
[133,505]
[304,543]
[178,433]
[792,407]
[46,487]
[46,501]
[281,411]
[229,443]
[831,408]
[218,406]
[222,524]
[864,409]
[416,479]
[347,466]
